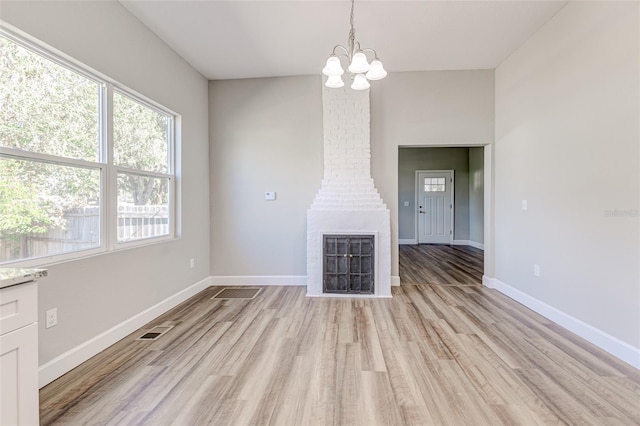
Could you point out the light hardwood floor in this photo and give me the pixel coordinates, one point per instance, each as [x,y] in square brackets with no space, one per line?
[441,264]
[432,355]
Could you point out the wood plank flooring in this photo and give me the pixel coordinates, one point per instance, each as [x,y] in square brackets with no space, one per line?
[432,355]
[441,265]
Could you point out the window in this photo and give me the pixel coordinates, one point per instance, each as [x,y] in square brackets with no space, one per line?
[434,184]
[85,165]
[141,146]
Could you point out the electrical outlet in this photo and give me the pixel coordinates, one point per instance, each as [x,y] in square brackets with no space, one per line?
[52,317]
[536,270]
[192,263]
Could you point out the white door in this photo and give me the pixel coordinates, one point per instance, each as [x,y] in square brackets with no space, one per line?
[435,207]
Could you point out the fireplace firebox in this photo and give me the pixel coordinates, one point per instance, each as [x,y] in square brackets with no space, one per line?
[348,264]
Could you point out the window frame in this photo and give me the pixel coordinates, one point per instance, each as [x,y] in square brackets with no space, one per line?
[105,163]
[114,244]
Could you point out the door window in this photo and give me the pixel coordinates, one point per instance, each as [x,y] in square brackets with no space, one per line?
[434,184]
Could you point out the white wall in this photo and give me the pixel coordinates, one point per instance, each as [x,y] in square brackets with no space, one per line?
[92,295]
[266,135]
[567,141]
[430,108]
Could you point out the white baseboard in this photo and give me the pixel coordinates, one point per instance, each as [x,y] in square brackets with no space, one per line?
[468,243]
[611,344]
[67,361]
[409,241]
[487,281]
[476,245]
[455,243]
[248,280]
[268,280]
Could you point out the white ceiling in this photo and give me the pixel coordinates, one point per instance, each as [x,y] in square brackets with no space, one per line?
[244,39]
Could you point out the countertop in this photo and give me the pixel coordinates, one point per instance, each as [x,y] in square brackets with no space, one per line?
[15,276]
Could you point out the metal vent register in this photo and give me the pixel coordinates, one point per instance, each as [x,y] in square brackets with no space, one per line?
[238,293]
[155,332]
[348,264]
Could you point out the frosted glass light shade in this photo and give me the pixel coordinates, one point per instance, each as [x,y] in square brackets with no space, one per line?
[334,82]
[333,67]
[359,64]
[360,82]
[376,71]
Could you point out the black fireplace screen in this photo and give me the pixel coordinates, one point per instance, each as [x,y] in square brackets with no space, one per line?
[348,264]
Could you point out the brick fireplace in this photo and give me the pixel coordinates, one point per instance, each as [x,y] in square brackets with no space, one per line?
[347,202]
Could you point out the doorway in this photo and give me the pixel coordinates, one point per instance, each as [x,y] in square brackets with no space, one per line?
[462,258]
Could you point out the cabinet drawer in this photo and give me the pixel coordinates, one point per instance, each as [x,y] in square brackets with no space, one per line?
[18,306]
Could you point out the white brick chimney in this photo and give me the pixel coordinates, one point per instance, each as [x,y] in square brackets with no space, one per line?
[347,202]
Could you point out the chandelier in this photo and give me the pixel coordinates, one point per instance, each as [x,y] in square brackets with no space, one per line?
[361,70]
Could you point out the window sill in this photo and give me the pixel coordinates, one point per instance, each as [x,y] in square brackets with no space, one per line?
[43,262]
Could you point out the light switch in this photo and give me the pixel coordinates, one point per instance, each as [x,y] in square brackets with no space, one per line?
[524,204]
[406,204]
[270,196]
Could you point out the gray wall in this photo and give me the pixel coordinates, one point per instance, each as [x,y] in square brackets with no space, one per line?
[430,108]
[476,195]
[95,294]
[412,159]
[266,135]
[567,133]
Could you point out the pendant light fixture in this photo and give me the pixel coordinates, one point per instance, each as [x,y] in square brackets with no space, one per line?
[361,70]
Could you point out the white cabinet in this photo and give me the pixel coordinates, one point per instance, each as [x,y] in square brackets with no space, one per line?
[19,403]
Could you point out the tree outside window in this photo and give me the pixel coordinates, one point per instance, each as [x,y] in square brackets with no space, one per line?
[53,159]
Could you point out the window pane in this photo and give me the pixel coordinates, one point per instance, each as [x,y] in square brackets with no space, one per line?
[140,135]
[47,209]
[434,188]
[45,107]
[143,207]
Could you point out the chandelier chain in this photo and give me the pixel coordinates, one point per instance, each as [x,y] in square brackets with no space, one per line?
[352,32]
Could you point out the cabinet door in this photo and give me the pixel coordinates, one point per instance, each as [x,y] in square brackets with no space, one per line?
[19,404]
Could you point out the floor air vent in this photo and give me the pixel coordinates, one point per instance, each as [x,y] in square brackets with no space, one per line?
[155,332]
[237,293]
